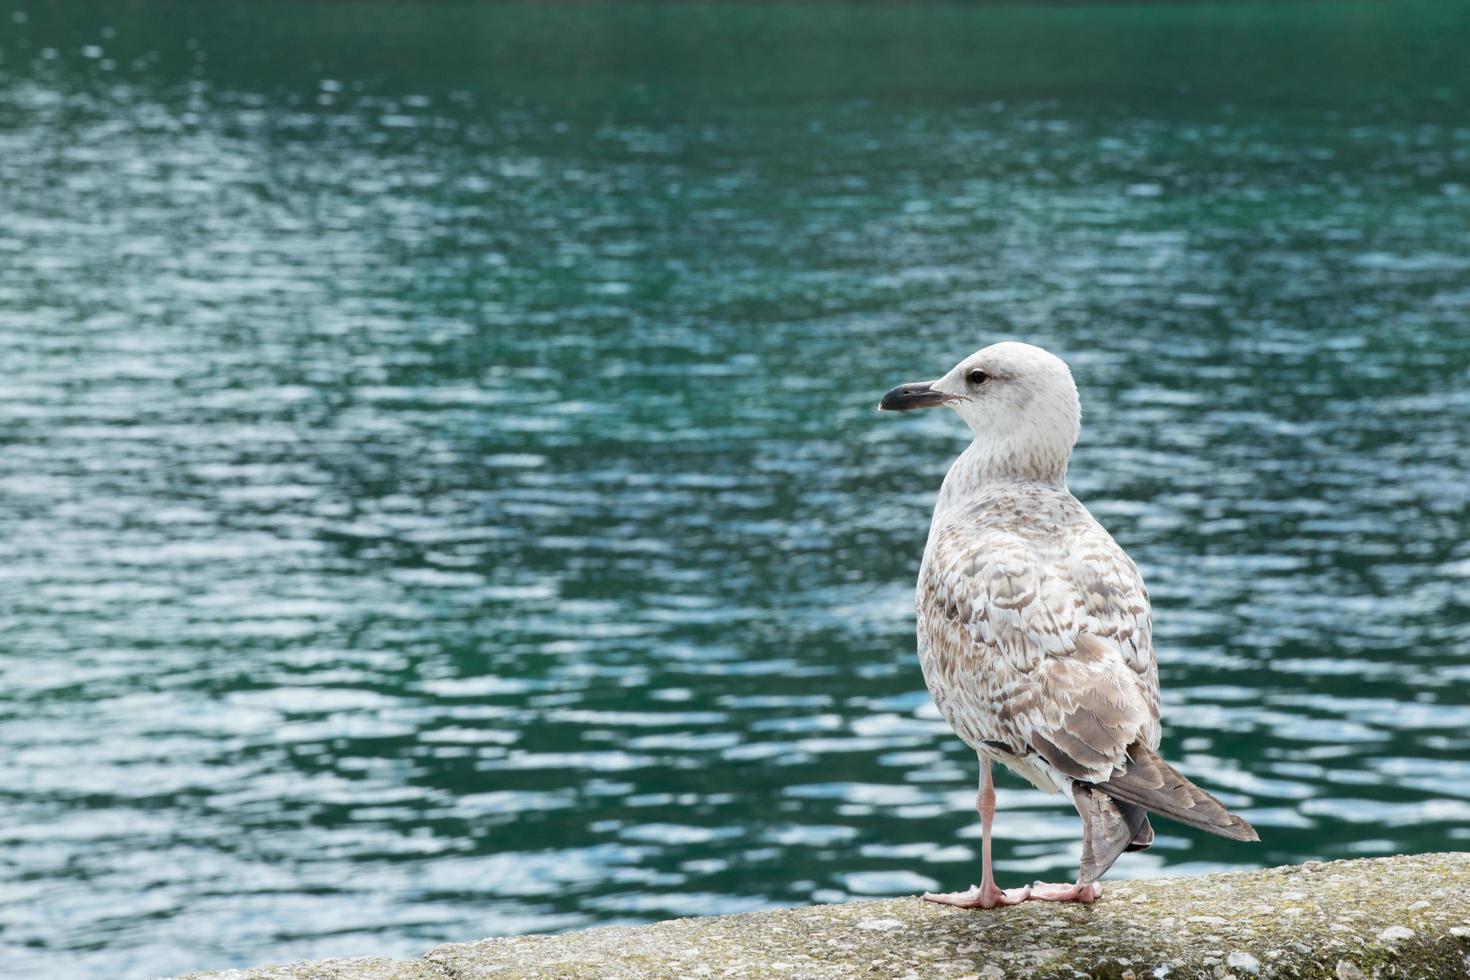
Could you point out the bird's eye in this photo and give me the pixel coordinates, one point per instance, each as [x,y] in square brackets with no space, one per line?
[978,377]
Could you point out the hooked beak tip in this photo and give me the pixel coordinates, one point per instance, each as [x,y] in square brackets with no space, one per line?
[906,398]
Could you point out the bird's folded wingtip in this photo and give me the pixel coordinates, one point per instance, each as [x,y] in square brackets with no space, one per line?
[1240,830]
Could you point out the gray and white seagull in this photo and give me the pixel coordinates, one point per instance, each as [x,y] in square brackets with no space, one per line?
[1034,626]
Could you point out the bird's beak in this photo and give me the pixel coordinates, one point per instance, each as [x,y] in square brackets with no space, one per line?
[921,394]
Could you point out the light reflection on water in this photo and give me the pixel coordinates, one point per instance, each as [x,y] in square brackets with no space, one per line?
[425,518]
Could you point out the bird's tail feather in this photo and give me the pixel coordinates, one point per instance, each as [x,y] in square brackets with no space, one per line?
[1153,784]
[1109,827]
[1144,839]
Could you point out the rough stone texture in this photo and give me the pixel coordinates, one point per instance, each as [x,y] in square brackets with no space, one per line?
[1390,917]
[365,968]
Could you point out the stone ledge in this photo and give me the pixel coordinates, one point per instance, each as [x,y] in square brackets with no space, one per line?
[1347,920]
[357,968]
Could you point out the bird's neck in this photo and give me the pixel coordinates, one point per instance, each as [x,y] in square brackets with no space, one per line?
[989,464]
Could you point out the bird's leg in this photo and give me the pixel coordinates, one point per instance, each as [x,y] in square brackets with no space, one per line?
[984,895]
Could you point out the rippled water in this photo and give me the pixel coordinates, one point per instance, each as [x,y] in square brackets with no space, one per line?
[441,489]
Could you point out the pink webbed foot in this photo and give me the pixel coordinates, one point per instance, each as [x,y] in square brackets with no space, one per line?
[1086,894]
[980,897]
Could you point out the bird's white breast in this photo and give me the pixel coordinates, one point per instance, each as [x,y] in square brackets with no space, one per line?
[1022,569]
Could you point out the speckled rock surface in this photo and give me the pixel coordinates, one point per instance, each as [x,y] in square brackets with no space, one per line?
[1390,917]
[364,968]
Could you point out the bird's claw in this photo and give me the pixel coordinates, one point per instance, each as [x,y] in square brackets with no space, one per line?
[978,897]
[981,897]
[1086,894]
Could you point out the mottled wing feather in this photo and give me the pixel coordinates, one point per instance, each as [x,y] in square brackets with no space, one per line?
[1037,651]
[1152,783]
[1093,709]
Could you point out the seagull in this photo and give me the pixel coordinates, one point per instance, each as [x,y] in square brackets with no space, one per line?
[1034,629]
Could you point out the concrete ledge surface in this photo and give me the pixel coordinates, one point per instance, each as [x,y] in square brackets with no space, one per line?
[1403,917]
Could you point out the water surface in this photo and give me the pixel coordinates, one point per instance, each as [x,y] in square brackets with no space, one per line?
[441,495]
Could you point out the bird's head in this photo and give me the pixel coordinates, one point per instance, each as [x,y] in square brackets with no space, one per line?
[1020,402]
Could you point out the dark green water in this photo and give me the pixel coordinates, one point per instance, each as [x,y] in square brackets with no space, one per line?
[440,492]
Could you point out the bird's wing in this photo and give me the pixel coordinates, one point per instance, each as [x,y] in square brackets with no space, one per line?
[1025,655]
[1114,602]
